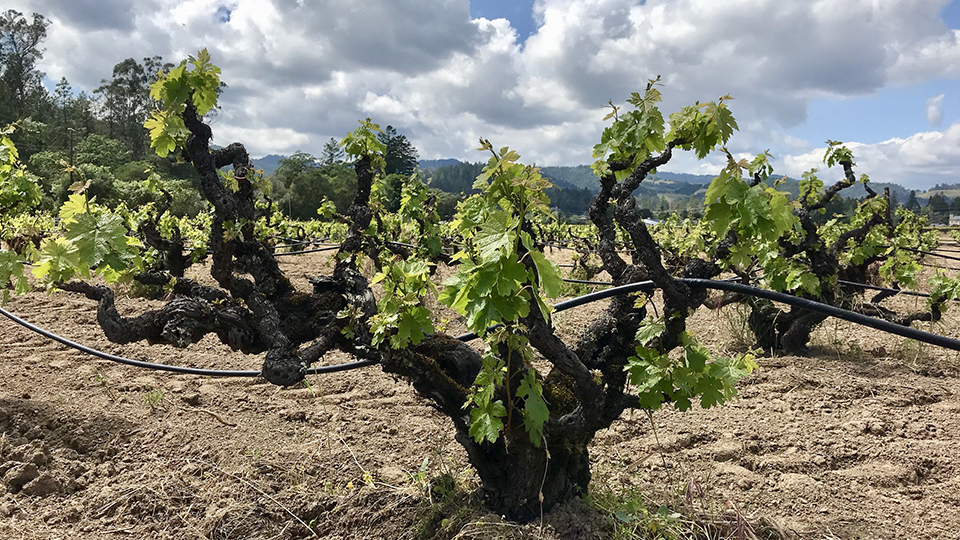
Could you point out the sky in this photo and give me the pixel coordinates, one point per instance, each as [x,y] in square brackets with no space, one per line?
[883,76]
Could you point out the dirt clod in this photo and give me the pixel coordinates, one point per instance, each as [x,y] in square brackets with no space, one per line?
[43,485]
[18,476]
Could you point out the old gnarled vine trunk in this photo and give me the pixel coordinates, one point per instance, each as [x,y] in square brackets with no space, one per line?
[255,308]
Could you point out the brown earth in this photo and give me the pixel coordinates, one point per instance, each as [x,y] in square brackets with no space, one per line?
[861,439]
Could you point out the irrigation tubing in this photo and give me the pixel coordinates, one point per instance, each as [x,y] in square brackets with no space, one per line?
[328,248]
[571,248]
[331,247]
[883,289]
[304,243]
[865,320]
[928,265]
[165,367]
[734,279]
[587,282]
[930,253]
[642,286]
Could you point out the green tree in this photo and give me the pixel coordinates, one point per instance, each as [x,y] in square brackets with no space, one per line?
[401,157]
[457,178]
[71,118]
[332,153]
[300,184]
[21,91]
[913,204]
[126,102]
[938,209]
[103,151]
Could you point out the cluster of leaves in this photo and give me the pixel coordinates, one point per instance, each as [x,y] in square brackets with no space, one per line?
[942,290]
[401,316]
[91,239]
[19,191]
[363,141]
[759,216]
[911,232]
[487,412]
[640,133]
[493,285]
[499,276]
[94,239]
[418,207]
[694,373]
[195,79]
[683,239]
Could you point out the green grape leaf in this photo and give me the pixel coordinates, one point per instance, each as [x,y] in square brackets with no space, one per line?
[549,274]
[711,392]
[486,423]
[495,237]
[650,329]
[59,260]
[535,411]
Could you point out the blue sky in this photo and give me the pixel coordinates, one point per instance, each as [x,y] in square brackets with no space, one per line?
[519,13]
[882,76]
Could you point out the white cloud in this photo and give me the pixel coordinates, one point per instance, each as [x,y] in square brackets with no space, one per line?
[918,161]
[935,110]
[937,56]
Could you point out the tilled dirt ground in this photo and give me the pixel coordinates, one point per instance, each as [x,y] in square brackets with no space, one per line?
[861,439]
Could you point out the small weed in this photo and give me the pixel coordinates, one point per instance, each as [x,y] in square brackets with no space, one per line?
[153,399]
[690,511]
[419,479]
[102,382]
[448,504]
[632,519]
[913,351]
[735,318]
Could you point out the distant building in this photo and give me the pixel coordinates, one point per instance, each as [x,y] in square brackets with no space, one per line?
[954,221]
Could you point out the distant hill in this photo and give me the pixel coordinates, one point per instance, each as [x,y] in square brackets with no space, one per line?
[268,163]
[897,192]
[430,164]
[457,176]
[950,191]
[580,176]
[702,179]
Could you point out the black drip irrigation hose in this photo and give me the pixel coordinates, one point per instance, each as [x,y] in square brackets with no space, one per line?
[165,367]
[930,253]
[304,243]
[571,248]
[642,286]
[335,246]
[928,265]
[865,320]
[859,318]
[302,252]
[883,289]
[588,282]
